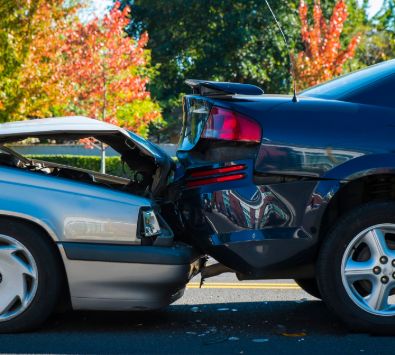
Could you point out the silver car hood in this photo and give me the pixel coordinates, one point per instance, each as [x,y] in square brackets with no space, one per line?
[58,125]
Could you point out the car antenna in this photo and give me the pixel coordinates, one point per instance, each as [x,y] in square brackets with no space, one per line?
[294,98]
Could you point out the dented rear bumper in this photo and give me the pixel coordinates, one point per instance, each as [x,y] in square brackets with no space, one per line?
[256,230]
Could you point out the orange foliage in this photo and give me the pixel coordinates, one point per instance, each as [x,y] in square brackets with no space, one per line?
[40,72]
[92,69]
[103,69]
[323,57]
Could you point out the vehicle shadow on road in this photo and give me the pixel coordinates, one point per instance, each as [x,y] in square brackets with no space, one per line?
[273,317]
[277,327]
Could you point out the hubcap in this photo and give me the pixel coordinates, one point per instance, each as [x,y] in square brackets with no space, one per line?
[19,278]
[368,270]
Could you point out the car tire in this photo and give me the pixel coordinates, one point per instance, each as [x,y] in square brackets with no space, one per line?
[354,279]
[31,277]
[310,286]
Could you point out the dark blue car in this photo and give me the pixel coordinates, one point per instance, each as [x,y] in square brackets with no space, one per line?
[305,189]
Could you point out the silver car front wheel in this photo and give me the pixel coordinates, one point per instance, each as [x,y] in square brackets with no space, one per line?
[32,280]
[18,278]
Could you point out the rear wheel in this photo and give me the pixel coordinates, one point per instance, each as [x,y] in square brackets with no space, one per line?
[310,286]
[29,277]
[356,268]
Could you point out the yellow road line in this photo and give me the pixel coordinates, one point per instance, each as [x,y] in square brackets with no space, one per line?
[246,286]
[248,283]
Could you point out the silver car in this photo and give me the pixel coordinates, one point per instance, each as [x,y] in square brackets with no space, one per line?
[78,237]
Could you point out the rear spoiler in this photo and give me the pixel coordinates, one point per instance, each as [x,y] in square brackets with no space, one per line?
[217,88]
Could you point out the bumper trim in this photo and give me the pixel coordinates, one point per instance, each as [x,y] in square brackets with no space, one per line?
[180,254]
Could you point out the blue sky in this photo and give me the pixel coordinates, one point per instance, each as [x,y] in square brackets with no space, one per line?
[374,6]
[94,8]
[100,6]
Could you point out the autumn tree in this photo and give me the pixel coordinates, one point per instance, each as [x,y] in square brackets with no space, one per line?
[323,56]
[16,27]
[29,38]
[41,81]
[104,73]
[53,64]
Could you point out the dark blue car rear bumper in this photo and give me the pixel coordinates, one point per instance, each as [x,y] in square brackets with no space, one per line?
[255,229]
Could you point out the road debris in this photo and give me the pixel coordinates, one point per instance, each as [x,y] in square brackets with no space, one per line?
[302,300]
[260,340]
[195,309]
[280,329]
[295,335]
[215,340]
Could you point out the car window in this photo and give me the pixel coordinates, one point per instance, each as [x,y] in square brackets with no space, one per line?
[380,93]
[343,86]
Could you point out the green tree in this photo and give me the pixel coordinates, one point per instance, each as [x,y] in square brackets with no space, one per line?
[16,30]
[379,41]
[229,40]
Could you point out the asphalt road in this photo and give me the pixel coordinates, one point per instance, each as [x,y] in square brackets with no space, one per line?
[225,317]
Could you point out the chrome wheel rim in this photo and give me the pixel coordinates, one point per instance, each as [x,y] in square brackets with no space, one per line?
[18,278]
[368,270]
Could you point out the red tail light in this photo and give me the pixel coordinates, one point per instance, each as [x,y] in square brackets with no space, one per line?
[216,171]
[229,125]
[206,176]
[214,180]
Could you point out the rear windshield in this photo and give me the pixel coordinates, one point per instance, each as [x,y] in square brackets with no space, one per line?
[341,87]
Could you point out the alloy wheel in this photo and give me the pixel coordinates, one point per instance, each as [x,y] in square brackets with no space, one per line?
[18,278]
[368,270]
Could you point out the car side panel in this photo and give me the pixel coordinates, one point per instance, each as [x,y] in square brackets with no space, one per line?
[312,137]
[336,179]
[71,210]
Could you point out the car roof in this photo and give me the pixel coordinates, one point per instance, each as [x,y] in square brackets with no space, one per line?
[70,124]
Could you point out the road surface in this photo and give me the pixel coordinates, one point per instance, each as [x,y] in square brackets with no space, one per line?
[224,317]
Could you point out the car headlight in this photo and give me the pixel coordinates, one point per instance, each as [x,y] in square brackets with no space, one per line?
[150,224]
